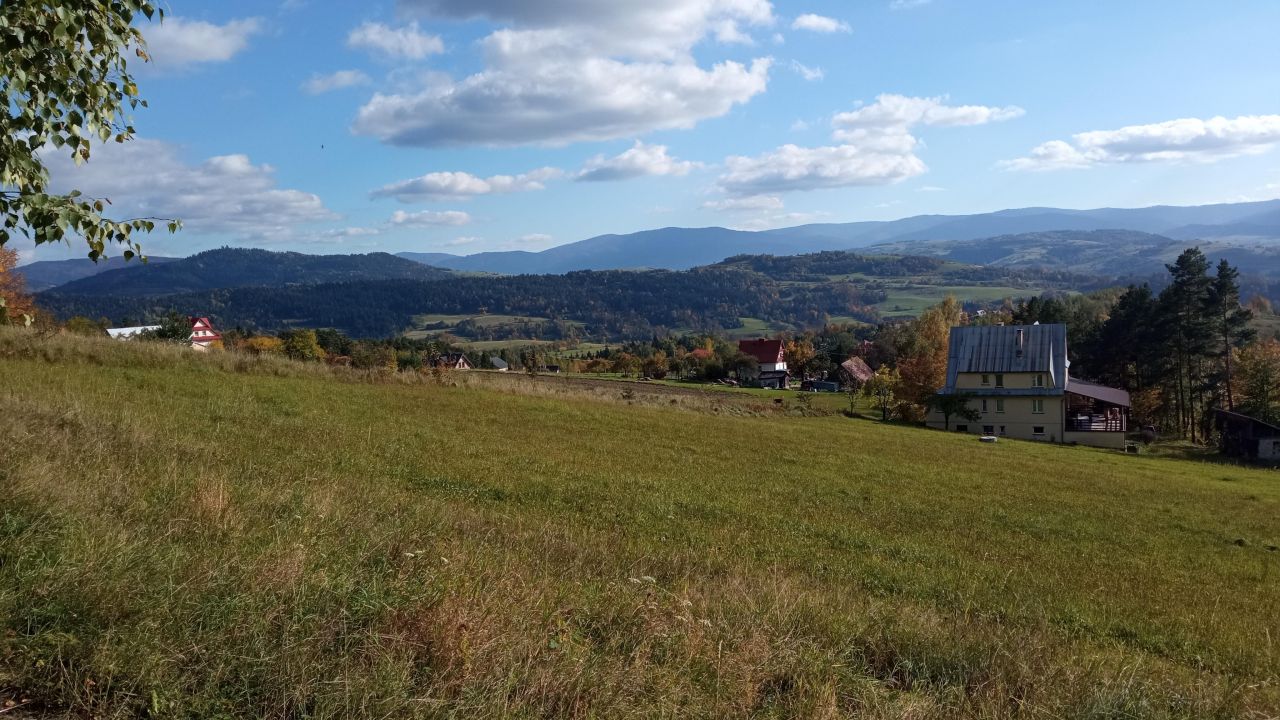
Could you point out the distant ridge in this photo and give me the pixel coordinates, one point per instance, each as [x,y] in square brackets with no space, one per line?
[682,248]
[246,267]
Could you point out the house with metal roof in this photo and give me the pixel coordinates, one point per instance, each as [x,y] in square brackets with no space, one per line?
[771,362]
[1019,381]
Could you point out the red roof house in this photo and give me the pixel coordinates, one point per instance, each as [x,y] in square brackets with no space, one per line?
[202,333]
[772,358]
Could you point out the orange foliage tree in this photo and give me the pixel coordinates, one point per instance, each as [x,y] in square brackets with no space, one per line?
[16,306]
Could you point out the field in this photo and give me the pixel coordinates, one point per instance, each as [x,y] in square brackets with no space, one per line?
[911,300]
[224,536]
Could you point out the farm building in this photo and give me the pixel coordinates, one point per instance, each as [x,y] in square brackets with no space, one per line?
[1019,382]
[855,372]
[498,363]
[129,333]
[771,359]
[1247,437]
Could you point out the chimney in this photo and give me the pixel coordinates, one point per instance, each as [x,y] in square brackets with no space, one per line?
[1019,342]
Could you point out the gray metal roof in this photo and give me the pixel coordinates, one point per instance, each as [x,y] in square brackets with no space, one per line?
[1009,349]
[1114,396]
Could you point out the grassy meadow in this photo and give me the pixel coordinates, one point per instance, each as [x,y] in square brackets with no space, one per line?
[226,536]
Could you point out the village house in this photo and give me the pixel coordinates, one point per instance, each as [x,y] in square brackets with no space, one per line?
[1018,378]
[453,361]
[203,336]
[771,362]
[498,363]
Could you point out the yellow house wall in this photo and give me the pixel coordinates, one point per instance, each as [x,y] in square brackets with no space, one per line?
[973,381]
[1018,419]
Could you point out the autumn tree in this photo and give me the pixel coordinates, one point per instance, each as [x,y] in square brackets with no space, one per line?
[1257,369]
[64,73]
[922,364]
[16,306]
[800,355]
[302,345]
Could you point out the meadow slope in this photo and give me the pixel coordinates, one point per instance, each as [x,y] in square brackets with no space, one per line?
[185,536]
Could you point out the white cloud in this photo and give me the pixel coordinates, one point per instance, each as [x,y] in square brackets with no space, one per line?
[640,160]
[351,232]
[224,195]
[317,84]
[456,185]
[799,125]
[463,240]
[1182,140]
[877,148]
[572,70]
[808,73]
[820,23]
[406,42]
[743,204]
[430,217]
[791,168]
[177,41]
[930,188]
[534,239]
[769,222]
[907,4]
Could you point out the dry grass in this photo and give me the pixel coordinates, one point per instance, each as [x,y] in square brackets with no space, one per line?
[191,536]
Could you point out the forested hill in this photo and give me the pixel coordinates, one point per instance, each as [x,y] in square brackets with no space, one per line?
[243,267]
[821,266]
[612,303]
[798,291]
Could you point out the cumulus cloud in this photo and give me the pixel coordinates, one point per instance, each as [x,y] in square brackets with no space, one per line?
[751,203]
[178,42]
[877,148]
[820,24]
[226,194]
[769,222]
[640,160]
[571,70]
[458,185]
[406,42]
[318,84]
[808,73]
[1182,140]
[430,217]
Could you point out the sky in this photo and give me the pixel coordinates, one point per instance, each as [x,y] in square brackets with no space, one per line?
[464,126]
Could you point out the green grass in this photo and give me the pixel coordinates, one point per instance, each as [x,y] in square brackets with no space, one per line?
[911,300]
[187,536]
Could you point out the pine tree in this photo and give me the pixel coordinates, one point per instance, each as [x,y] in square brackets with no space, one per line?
[1184,306]
[1230,321]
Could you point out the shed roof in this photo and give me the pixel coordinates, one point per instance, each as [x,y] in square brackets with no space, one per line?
[1114,396]
[857,368]
[1008,349]
[497,362]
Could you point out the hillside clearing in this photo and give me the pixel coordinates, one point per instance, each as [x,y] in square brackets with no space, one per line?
[191,537]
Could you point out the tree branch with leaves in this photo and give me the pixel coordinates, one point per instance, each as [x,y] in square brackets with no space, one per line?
[66,84]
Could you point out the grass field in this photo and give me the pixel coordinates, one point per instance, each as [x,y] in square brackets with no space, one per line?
[223,536]
[913,299]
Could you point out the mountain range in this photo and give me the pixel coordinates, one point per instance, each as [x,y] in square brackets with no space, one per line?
[1228,225]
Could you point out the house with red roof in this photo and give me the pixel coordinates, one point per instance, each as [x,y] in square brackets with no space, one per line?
[203,336]
[771,358]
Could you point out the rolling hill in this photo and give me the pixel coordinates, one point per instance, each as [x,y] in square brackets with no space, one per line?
[44,274]
[245,267]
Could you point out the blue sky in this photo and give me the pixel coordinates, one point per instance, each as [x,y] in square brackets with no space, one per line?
[471,125]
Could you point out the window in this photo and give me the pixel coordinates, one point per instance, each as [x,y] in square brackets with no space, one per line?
[999,380]
[986,379]
[1037,429]
[984,405]
[962,428]
[988,430]
[1037,406]
[1001,429]
[1038,380]
[999,405]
